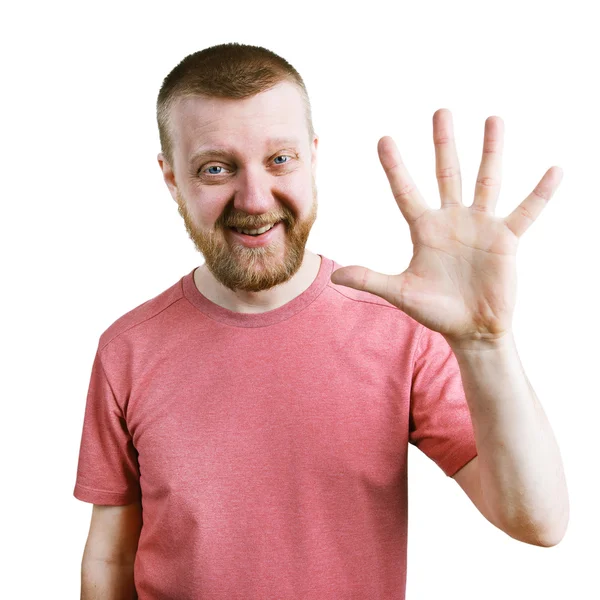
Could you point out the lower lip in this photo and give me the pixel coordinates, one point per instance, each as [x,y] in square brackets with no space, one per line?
[253,241]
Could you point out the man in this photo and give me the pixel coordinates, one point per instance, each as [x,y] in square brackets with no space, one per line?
[246,431]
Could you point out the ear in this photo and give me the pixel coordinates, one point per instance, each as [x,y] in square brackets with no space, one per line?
[168,175]
[313,151]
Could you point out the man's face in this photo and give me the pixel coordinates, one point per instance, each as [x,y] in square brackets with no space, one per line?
[246,164]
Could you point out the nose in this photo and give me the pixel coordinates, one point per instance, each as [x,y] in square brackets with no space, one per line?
[253,194]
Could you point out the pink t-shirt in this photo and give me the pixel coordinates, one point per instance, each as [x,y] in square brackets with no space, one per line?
[269,450]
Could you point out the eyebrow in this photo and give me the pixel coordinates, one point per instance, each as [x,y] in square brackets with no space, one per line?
[224,153]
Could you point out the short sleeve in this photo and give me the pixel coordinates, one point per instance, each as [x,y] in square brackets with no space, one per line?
[108,469]
[440,421]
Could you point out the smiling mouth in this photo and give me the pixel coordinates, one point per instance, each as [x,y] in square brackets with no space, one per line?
[255,232]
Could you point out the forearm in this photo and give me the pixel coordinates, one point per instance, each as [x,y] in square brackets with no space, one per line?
[520,466]
[101,580]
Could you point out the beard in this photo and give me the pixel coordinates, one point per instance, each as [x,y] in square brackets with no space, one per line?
[238,267]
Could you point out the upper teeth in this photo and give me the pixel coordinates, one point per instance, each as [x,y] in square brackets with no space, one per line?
[255,231]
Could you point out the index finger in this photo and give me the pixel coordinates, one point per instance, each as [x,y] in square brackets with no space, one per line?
[409,200]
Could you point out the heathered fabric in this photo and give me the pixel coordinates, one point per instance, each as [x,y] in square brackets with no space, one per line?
[269,450]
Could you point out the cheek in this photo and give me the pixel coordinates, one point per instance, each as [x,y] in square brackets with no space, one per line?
[300,191]
[206,208]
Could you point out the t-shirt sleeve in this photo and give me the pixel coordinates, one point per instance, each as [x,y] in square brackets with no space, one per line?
[108,469]
[440,421]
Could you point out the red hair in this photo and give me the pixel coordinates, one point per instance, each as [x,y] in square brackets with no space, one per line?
[225,71]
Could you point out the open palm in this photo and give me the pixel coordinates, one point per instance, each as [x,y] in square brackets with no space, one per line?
[462,278]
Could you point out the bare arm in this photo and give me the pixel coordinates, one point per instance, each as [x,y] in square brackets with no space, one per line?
[105,581]
[518,470]
[109,555]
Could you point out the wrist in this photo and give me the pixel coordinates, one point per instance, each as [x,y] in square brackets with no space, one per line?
[481,344]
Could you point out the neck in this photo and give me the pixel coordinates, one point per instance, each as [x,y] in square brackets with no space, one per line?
[258,302]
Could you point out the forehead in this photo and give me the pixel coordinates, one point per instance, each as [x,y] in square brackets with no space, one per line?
[199,121]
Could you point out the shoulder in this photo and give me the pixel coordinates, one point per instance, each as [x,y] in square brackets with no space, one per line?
[143,313]
[375,317]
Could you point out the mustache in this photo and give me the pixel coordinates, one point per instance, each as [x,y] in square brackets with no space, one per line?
[253,225]
[247,222]
[233,218]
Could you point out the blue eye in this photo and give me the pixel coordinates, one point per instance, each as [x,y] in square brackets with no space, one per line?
[214,167]
[282,156]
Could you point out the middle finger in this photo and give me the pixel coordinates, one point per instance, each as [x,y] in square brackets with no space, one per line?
[447,169]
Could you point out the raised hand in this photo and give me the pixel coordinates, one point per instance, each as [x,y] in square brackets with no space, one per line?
[462,279]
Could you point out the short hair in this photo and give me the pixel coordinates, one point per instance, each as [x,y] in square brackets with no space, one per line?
[234,71]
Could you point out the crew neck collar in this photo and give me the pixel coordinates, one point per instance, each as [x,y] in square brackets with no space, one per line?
[264,319]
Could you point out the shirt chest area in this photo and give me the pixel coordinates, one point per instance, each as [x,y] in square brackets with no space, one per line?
[217,419]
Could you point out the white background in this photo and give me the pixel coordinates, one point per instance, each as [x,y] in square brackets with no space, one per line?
[89,231]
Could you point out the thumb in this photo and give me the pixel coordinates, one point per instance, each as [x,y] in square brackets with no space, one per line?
[361,278]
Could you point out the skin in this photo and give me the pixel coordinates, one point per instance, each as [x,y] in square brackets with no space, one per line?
[461,282]
[254,180]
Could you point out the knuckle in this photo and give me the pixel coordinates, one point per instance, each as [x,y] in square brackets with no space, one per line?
[491,146]
[447,173]
[483,208]
[364,280]
[393,165]
[486,182]
[541,193]
[404,191]
[442,139]
[524,212]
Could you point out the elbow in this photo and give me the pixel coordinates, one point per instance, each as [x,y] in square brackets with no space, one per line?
[545,535]
[553,536]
